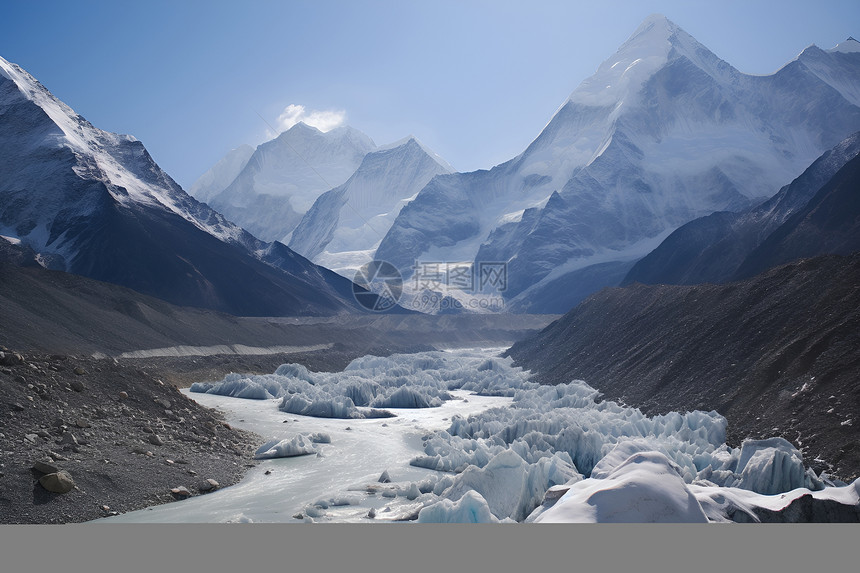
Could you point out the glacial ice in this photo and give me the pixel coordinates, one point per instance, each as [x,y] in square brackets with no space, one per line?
[556,453]
[298,445]
[773,466]
[646,488]
[569,419]
[471,508]
[511,487]
[371,385]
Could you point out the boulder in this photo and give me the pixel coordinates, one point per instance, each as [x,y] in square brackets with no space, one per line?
[208,485]
[45,467]
[58,482]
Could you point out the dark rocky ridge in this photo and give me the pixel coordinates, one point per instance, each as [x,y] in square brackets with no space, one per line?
[97,420]
[778,354]
[828,224]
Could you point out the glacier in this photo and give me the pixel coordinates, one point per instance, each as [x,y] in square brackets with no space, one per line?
[369,386]
[471,508]
[532,454]
[644,488]
[299,445]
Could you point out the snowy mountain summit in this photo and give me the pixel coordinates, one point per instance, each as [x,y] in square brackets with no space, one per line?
[346,224]
[281,179]
[663,132]
[48,148]
[848,46]
[96,204]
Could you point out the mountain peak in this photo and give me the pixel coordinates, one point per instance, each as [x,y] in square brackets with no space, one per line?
[344,133]
[656,25]
[848,46]
[655,42]
[411,139]
[400,142]
[302,127]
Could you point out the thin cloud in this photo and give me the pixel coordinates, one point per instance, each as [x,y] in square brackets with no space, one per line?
[323,120]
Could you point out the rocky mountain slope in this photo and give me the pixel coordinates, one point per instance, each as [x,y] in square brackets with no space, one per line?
[83,438]
[829,223]
[60,313]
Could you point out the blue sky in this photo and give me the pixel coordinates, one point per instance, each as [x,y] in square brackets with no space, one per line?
[474,80]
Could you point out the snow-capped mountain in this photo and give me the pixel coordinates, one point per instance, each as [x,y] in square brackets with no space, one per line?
[346,224]
[221,174]
[95,203]
[284,176]
[712,249]
[662,133]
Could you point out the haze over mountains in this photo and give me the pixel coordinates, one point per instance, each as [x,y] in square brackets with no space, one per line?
[331,196]
[282,178]
[720,247]
[664,132]
[345,225]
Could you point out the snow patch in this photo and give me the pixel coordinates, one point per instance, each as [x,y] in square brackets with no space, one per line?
[13,240]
